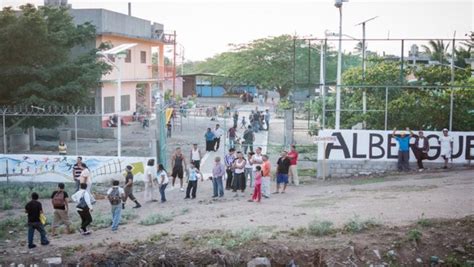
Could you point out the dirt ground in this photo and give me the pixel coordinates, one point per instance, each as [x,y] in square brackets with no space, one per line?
[397,203]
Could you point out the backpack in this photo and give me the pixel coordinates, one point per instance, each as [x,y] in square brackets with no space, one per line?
[114,197]
[58,199]
[248,136]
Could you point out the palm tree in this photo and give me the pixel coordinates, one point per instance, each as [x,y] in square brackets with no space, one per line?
[358,48]
[436,50]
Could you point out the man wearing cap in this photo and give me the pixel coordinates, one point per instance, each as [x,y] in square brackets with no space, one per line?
[403,149]
[446,143]
[128,188]
[421,148]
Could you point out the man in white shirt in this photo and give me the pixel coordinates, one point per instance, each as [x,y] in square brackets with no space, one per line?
[218,132]
[446,143]
[195,156]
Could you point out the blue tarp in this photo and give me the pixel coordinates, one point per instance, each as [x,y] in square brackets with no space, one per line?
[210,91]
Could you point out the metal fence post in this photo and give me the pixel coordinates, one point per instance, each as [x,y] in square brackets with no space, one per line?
[451,100]
[386,108]
[75,131]
[4,132]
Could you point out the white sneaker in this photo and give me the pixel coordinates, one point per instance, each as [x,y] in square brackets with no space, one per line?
[181,189]
[420,170]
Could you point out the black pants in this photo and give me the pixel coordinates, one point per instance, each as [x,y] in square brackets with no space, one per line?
[86,219]
[248,145]
[192,185]
[196,163]
[209,145]
[420,156]
[217,142]
[228,184]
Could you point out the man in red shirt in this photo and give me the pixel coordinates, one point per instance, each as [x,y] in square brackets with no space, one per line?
[293,155]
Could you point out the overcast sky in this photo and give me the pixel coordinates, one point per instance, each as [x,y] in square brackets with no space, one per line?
[206,27]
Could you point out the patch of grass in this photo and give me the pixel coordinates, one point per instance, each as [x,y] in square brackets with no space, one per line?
[156,218]
[128,215]
[424,222]
[306,172]
[184,211]
[7,204]
[299,232]
[101,220]
[320,228]
[157,237]
[414,235]
[357,225]
[232,240]
[16,224]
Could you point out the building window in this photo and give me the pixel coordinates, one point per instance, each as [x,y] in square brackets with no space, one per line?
[143,56]
[128,57]
[109,104]
[125,102]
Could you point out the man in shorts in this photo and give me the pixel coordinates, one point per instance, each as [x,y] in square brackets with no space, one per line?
[283,167]
[446,142]
[178,165]
[59,199]
[128,188]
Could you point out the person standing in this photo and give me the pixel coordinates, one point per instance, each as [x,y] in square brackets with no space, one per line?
[243,123]
[178,165]
[195,156]
[128,188]
[257,192]
[283,167]
[150,177]
[239,182]
[86,178]
[248,171]
[249,138]
[59,200]
[403,149]
[34,209]
[421,148]
[257,160]
[218,133]
[232,136]
[446,142]
[229,161]
[235,118]
[218,173]
[62,148]
[293,156]
[266,117]
[115,195]
[266,168]
[163,181]
[76,172]
[209,136]
[84,208]
[192,182]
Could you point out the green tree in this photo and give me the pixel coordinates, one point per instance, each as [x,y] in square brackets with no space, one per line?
[37,66]
[437,50]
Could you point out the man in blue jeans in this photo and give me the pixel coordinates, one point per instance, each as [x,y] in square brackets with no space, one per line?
[34,209]
[115,195]
[403,140]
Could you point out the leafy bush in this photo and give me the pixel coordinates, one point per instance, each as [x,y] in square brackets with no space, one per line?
[156,218]
[320,228]
[414,235]
[7,204]
[356,225]
[232,240]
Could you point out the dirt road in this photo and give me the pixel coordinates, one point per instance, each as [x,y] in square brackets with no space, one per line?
[392,200]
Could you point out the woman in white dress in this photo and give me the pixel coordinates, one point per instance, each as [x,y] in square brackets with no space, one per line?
[150,181]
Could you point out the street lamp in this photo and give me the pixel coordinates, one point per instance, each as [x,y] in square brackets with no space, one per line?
[338,4]
[118,52]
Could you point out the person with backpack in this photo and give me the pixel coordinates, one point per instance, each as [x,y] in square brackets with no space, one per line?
[59,199]
[34,209]
[84,207]
[128,188]
[249,138]
[115,195]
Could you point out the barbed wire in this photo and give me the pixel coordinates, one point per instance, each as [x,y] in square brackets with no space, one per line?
[47,110]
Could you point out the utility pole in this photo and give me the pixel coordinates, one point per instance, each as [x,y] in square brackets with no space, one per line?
[364,93]
[174,63]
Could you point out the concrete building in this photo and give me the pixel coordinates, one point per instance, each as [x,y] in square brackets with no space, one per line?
[140,74]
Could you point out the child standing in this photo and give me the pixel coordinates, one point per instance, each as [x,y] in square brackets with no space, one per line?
[257,192]
[243,123]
